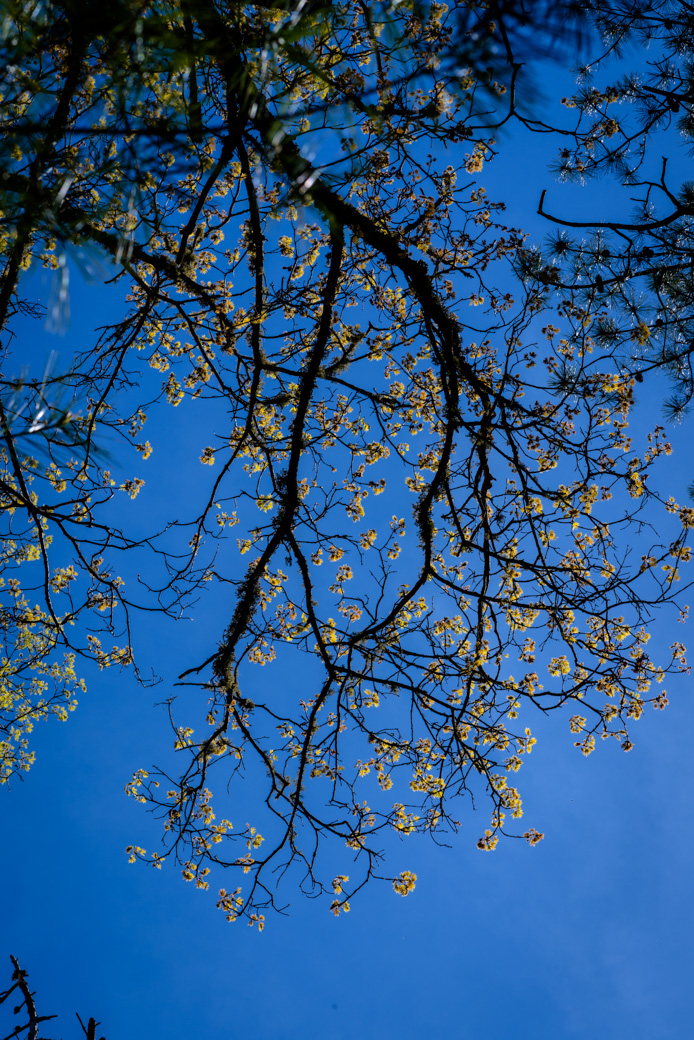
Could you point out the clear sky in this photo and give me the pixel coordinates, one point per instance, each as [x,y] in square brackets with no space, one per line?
[588,935]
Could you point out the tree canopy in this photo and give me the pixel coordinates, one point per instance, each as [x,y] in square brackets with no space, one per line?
[633,125]
[420,492]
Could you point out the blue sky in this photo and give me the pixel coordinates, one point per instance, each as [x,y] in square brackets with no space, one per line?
[587,935]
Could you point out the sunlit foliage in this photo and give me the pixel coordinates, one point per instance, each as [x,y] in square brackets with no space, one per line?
[406,496]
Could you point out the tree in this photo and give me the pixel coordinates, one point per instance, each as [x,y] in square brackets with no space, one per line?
[429,521]
[27,1006]
[33,686]
[633,274]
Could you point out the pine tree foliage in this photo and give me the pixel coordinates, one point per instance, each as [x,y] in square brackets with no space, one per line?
[634,126]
